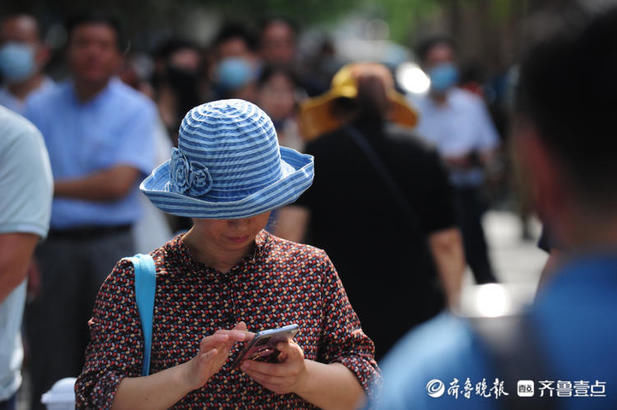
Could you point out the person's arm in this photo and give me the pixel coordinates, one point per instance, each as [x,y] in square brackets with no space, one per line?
[15,255]
[292,223]
[25,198]
[488,141]
[328,386]
[111,373]
[133,155]
[331,386]
[447,249]
[107,185]
[164,389]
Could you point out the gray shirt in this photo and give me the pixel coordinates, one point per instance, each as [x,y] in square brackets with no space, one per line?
[26,185]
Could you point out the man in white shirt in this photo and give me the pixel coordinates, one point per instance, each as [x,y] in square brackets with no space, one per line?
[22,58]
[25,209]
[458,124]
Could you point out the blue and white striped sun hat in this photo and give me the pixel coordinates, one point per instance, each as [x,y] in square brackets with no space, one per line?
[228,165]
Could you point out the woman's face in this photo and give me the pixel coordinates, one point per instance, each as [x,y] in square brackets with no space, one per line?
[276,96]
[231,234]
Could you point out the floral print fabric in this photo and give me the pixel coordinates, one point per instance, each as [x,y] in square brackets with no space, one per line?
[280,283]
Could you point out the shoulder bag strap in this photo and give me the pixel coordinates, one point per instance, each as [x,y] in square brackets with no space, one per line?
[385,175]
[145,289]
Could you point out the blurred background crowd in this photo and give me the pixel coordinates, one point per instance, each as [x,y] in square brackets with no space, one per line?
[454,61]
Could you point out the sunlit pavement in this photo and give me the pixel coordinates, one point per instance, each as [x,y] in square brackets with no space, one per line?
[516,261]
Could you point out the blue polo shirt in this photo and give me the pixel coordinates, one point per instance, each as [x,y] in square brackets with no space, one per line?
[114,128]
[577,335]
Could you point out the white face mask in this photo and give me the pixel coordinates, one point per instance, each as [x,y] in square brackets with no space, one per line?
[16,62]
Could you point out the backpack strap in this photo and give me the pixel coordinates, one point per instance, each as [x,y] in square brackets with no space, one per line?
[145,289]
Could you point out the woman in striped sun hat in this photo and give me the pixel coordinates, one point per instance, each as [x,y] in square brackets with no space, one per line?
[225,279]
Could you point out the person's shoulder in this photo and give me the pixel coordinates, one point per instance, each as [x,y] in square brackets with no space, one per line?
[307,258]
[424,349]
[325,142]
[48,97]
[427,360]
[463,98]
[407,138]
[47,88]
[417,101]
[131,98]
[45,104]
[17,129]
[407,145]
[284,248]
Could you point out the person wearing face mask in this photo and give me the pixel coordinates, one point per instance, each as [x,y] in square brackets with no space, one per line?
[176,81]
[22,58]
[457,123]
[234,77]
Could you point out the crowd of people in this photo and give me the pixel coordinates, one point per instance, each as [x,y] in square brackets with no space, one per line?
[266,196]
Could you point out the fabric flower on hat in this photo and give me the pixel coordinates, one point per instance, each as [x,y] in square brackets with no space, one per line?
[200,179]
[179,172]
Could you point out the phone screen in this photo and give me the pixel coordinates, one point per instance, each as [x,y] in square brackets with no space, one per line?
[263,345]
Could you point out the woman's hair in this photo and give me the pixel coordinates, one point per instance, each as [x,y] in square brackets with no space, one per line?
[370,105]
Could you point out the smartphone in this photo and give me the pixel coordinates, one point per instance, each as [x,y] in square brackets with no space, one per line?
[263,346]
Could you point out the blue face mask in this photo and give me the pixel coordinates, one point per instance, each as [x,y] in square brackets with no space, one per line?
[16,62]
[443,76]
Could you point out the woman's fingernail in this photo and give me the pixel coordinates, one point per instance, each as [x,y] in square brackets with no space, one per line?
[245,366]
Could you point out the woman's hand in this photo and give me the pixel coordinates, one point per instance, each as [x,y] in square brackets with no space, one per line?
[287,376]
[213,353]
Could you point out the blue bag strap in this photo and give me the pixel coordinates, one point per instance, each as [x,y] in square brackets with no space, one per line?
[145,289]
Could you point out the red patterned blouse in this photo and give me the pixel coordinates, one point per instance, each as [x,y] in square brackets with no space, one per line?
[280,283]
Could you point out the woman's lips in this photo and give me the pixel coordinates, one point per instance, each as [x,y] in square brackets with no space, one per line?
[238,239]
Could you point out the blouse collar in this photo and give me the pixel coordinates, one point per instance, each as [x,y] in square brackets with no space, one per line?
[181,251]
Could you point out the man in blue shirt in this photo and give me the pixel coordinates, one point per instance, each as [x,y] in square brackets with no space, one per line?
[564,140]
[458,124]
[99,134]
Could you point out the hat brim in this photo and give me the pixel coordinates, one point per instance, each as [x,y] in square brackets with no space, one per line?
[297,176]
[317,118]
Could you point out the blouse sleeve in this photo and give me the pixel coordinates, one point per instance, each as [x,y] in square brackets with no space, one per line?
[342,338]
[116,342]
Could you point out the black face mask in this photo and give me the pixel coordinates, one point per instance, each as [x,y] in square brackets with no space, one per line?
[185,84]
[181,79]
